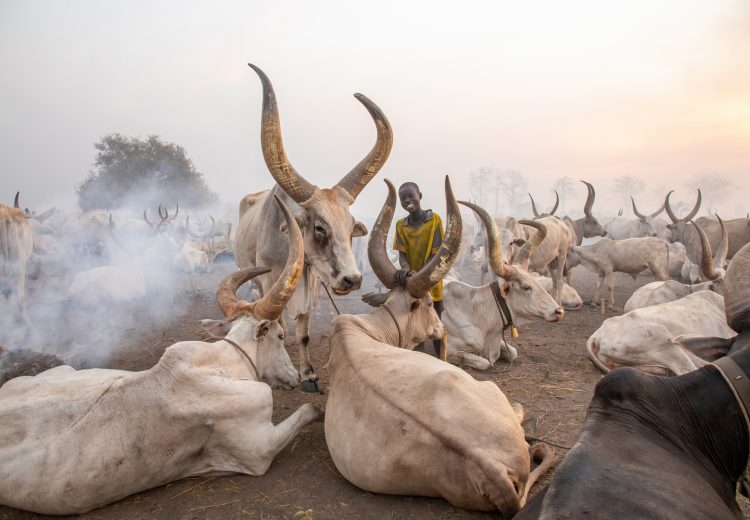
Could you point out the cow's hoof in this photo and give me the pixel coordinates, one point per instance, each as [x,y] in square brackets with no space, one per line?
[314,386]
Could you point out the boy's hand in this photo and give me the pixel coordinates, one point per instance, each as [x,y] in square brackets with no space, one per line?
[401,275]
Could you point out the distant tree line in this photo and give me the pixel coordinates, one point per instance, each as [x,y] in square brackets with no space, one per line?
[140,172]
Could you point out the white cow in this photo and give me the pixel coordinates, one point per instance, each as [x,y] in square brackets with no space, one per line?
[191,258]
[649,338]
[472,317]
[75,440]
[404,423]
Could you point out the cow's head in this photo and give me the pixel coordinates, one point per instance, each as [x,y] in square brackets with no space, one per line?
[411,305]
[646,223]
[527,299]
[679,225]
[326,222]
[591,226]
[255,326]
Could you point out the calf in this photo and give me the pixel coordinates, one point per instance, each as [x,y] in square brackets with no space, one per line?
[631,256]
[654,447]
[404,423]
[75,440]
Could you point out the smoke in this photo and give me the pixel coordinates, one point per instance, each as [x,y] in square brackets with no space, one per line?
[92,286]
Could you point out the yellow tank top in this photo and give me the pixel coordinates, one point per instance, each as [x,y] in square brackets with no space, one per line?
[416,244]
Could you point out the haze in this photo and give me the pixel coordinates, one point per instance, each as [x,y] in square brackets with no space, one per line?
[590,90]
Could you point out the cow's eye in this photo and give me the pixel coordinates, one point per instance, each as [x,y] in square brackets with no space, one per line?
[526,288]
[415,305]
[320,229]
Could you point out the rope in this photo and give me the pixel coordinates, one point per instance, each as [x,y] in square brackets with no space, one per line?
[241,351]
[394,321]
[530,439]
[331,298]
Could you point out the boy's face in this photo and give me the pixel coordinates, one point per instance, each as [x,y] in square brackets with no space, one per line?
[409,197]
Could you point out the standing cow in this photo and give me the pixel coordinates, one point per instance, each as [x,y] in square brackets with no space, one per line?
[323,215]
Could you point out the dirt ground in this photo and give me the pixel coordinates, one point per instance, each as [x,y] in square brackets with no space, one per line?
[552,378]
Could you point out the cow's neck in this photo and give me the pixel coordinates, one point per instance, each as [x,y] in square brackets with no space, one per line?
[695,417]
[378,325]
[578,226]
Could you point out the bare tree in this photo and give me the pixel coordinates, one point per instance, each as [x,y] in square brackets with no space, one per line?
[565,188]
[514,184]
[714,187]
[481,182]
[627,186]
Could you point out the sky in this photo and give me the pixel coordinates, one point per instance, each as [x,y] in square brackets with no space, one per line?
[587,89]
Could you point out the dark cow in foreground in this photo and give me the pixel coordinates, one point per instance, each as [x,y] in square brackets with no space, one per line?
[656,447]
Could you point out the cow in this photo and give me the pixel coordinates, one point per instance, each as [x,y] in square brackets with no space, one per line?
[475,320]
[677,258]
[654,447]
[551,212]
[670,290]
[16,247]
[693,272]
[585,227]
[75,440]
[323,214]
[620,228]
[512,237]
[549,255]
[405,423]
[570,297]
[631,256]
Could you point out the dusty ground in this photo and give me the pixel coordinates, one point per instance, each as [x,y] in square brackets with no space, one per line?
[552,378]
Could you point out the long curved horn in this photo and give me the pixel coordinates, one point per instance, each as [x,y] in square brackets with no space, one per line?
[162,214]
[494,247]
[635,210]
[720,258]
[226,294]
[557,203]
[439,265]
[523,255]
[176,211]
[689,216]
[145,217]
[356,180]
[190,231]
[376,252]
[737,291]
[656,213]
[15,201]
[272,304]
[707,263]
[589,199]
[533,207]
[273,148]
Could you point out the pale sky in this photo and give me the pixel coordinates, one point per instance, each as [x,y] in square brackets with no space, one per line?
[587,89]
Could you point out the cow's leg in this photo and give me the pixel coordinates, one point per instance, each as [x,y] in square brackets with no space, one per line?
[557,279]
[468,360]
[599,283]
[306,370]
[611,289]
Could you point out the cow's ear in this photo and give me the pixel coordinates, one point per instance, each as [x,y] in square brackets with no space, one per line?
[216,328]
[283,227]
[360,230]
[708,348]
[262,329]
[517,410]
[519,242]
[505,289]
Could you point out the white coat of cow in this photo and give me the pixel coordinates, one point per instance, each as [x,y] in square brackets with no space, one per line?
[472,318]
[620,228]
[323,215]
[649,338]
[405,423]
[74,440]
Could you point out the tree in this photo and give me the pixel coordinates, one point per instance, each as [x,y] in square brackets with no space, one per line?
[132,171]
[627,186]
[514,184]
[564,187]
[714,187]
[482,181]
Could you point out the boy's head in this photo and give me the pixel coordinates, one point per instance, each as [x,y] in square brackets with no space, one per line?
[410,196]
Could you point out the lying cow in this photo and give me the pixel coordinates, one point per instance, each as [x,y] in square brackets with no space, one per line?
[75,440]
[631,256]
[653,447]
[650,339]
[670,290]
[401,422]
[475,321]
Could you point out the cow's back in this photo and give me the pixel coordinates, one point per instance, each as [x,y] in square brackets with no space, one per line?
[245,239]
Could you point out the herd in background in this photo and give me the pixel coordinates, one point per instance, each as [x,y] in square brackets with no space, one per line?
[396,421]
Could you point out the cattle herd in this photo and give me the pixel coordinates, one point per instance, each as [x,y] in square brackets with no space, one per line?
[666,435]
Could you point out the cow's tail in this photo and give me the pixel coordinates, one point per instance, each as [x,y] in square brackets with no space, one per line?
[543,456]
[594,358]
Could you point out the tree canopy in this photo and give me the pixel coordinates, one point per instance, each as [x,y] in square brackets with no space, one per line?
[139,172]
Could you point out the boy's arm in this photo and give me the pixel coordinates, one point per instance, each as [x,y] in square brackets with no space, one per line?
[400,276]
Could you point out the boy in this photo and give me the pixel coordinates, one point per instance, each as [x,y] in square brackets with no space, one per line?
[418,237]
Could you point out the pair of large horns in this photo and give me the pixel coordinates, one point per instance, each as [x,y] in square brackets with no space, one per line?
[271,305]
[689,216]
[707,259]
[438,266]
[284,173]
[552,211]
[641,215]
[166,216]
[494,245]
[204,235]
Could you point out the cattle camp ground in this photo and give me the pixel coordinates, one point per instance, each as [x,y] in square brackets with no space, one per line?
[552,378]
